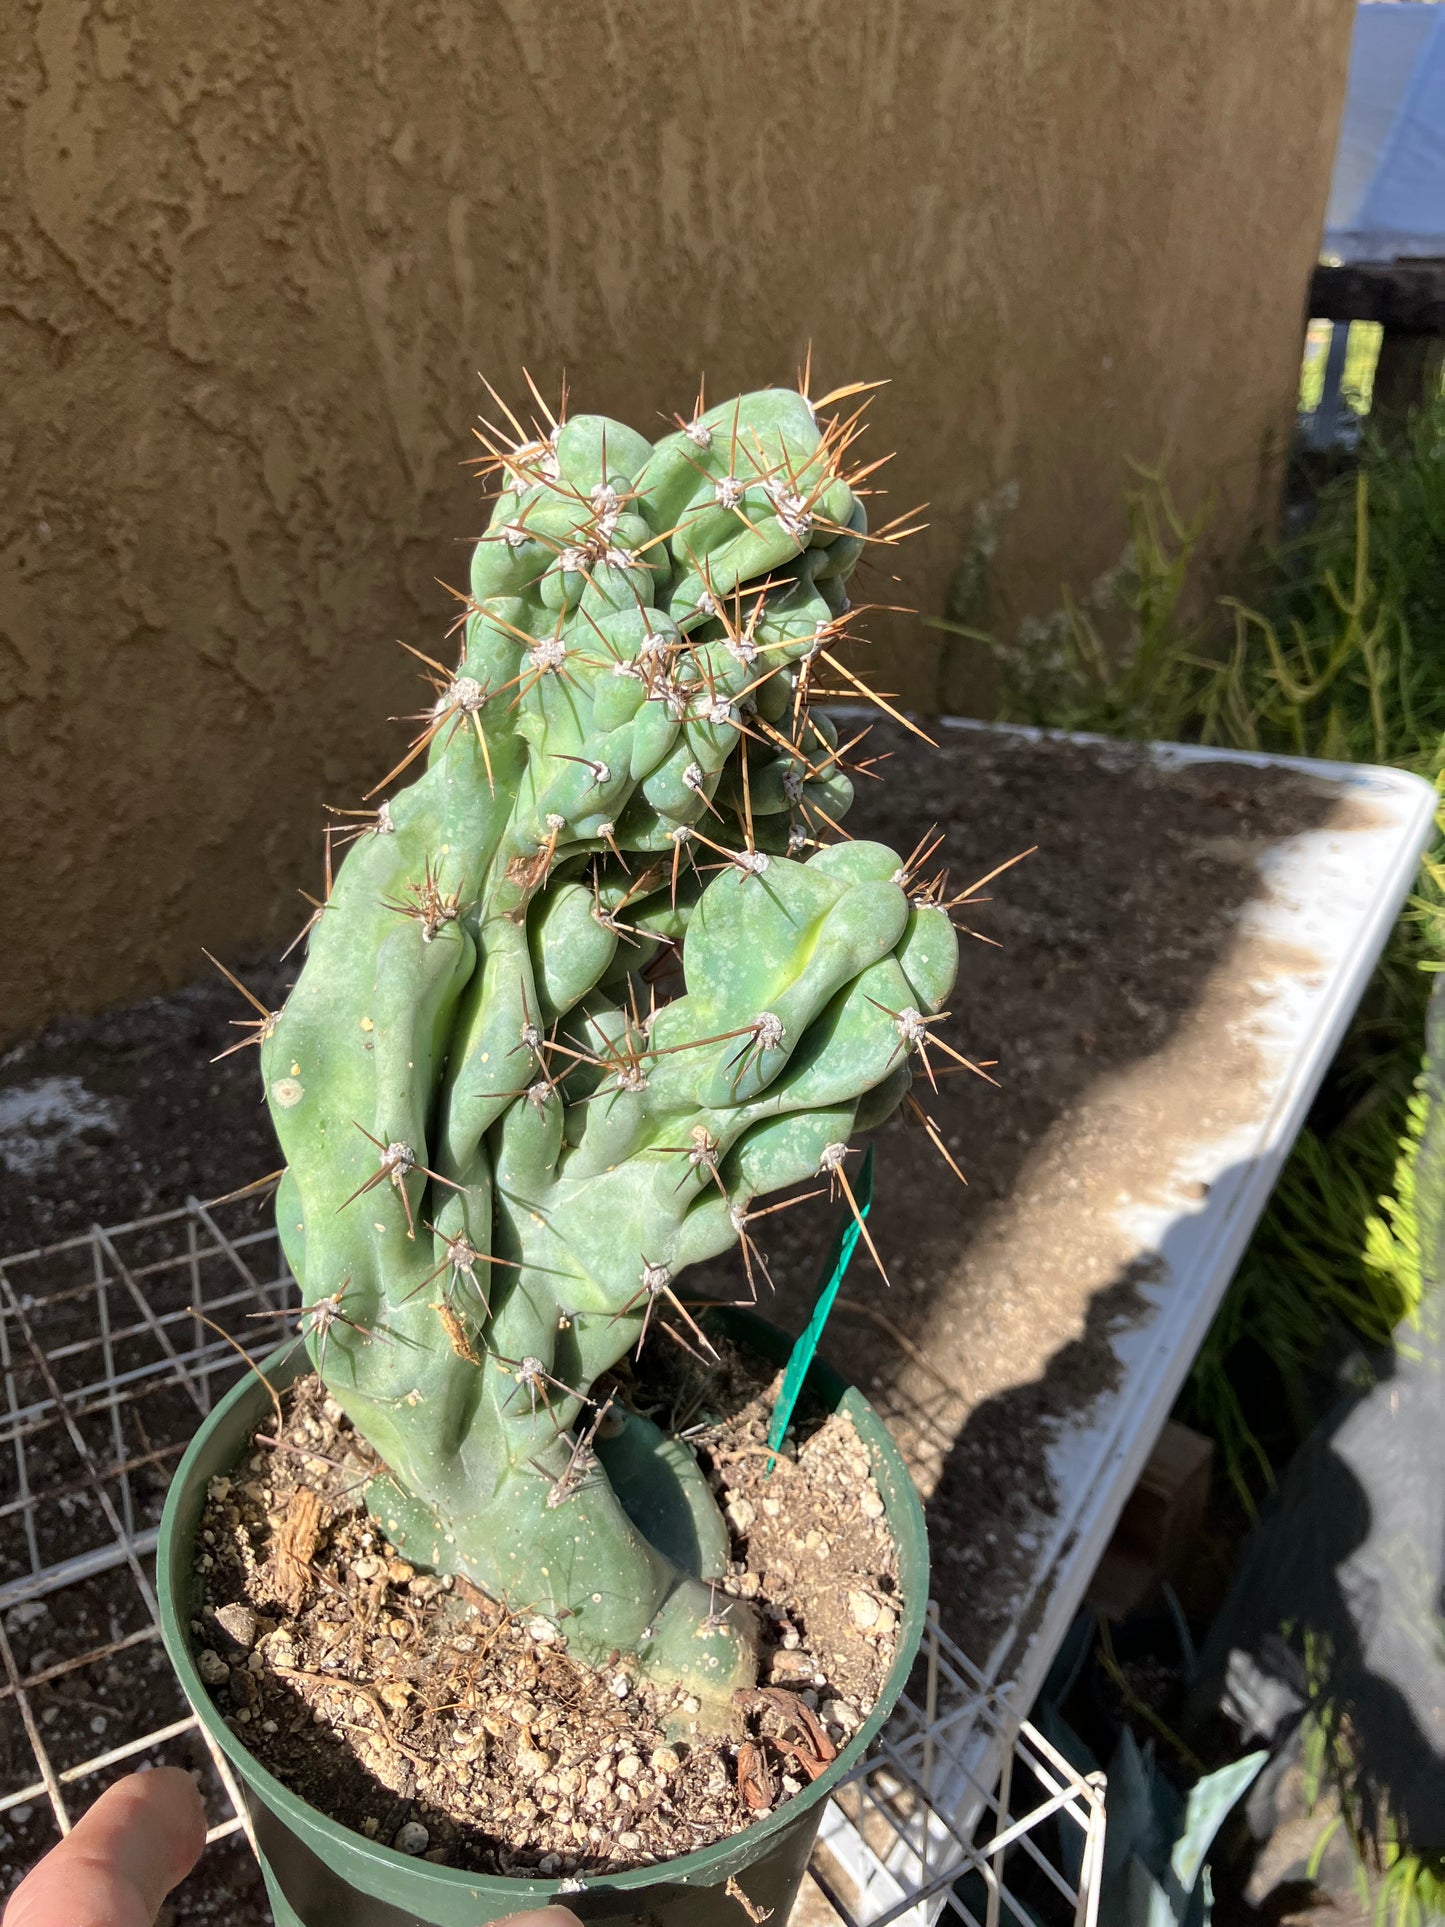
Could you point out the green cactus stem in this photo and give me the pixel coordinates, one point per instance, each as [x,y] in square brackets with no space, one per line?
[502,1153]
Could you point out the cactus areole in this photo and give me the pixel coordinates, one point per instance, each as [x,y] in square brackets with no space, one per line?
[505,1143]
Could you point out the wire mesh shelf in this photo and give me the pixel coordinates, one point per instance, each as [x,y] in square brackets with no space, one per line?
[962,1814]
[114,1343]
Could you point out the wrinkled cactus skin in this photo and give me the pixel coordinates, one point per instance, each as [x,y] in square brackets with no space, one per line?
[468,1055]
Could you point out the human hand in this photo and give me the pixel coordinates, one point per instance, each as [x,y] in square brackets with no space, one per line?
[118,1863]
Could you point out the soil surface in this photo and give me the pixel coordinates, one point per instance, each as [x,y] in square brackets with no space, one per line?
[424,1715]
[1111,989]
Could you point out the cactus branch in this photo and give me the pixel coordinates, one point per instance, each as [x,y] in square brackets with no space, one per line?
[598,990]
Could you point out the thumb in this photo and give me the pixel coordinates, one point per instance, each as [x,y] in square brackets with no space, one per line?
[120,1861]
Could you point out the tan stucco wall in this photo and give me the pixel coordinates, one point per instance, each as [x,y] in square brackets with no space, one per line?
[251,254]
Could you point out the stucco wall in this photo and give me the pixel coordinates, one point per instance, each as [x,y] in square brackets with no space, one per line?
[251,254]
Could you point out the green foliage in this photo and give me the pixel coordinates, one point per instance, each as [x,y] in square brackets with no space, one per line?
[1123,659]
[501,1152]
[1337,657]
[1339,662]
[1401,1888]
[1411,1892]
[1156,1844]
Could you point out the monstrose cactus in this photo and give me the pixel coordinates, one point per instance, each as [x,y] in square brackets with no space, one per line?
[510,1120]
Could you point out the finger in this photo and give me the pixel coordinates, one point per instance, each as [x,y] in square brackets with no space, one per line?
[120,1861]
[540,1917]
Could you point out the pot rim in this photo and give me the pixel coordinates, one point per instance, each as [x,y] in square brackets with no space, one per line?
[900,1497]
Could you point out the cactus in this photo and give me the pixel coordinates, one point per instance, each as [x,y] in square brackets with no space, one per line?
[502,1149]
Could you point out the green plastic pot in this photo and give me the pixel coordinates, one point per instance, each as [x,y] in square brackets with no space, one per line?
[321,1874]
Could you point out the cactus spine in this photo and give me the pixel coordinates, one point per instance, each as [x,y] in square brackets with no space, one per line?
[501,1152]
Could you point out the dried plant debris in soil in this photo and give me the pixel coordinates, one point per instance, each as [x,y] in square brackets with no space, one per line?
[422,1714]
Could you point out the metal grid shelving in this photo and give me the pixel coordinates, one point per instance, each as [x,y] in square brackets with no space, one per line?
[113,1343]
[960,1799]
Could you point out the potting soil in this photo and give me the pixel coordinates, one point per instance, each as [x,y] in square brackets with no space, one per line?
[426,1716]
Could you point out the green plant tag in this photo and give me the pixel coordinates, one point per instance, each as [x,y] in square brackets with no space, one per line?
[835,1265]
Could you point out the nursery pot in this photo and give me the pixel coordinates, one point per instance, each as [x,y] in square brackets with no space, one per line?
[322,1874]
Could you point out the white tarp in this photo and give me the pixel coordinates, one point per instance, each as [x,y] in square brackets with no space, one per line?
[1387,198]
